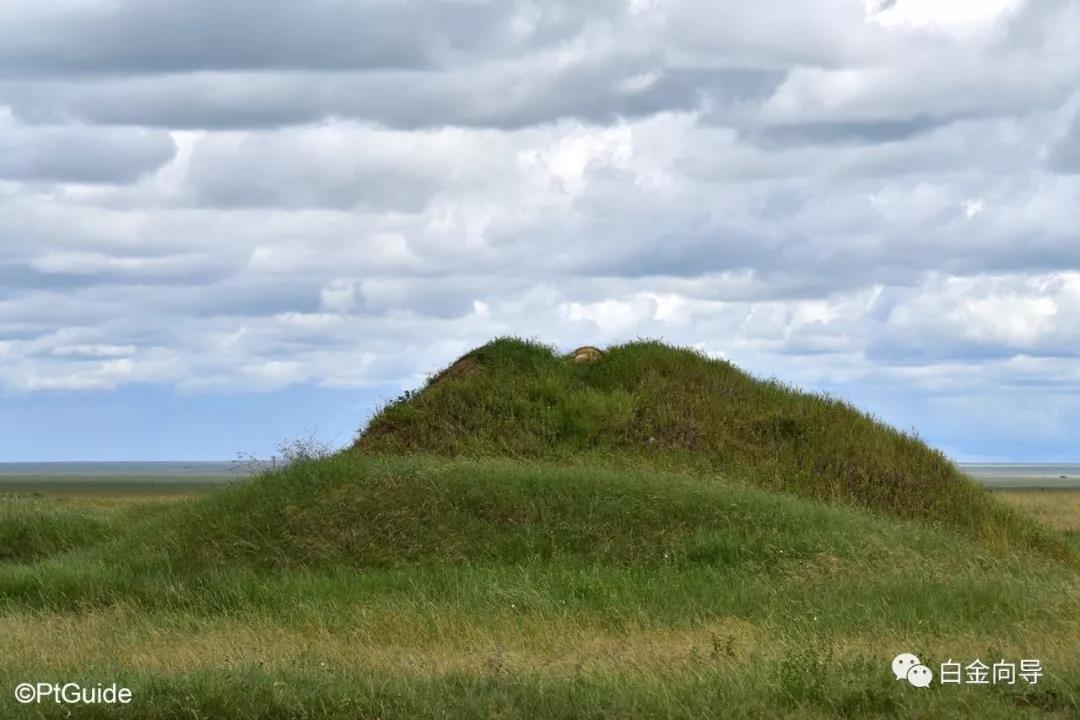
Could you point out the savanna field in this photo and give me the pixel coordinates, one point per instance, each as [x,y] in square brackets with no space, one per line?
[650,534]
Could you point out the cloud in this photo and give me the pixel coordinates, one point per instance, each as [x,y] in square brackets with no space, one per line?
[510,65]
[158,36]
[831,133]
[80,154]
[988,316]
[578,81]
[1065,154]
[336,165]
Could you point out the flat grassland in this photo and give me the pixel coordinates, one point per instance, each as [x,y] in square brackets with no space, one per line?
[1059,509]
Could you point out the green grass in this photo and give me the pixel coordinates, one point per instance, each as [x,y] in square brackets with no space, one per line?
[109,486]
[809,686]
[444,570]
[34,526]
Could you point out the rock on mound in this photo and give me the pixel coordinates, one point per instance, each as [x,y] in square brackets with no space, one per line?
[648,404]
[586,354]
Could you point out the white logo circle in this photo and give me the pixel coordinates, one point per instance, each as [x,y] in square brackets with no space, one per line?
[902,663]
[26,693]
[920,676]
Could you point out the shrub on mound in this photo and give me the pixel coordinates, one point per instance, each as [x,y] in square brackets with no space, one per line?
[646,403]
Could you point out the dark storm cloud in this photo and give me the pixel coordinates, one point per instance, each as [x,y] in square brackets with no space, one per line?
[81,154]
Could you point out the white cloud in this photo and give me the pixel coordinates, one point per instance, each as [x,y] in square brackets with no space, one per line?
[86,263]
[956,16]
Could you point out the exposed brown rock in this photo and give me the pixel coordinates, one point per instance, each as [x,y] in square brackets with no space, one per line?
[586,354]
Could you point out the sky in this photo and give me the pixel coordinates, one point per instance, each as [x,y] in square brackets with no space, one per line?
[229,224]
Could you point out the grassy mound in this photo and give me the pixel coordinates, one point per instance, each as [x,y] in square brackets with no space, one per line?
[369,512]
[645,404]
[491,536]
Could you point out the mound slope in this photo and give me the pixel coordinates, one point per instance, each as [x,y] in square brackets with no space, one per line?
[652,405]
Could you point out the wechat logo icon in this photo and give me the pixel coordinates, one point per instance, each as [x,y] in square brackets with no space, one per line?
[907,667]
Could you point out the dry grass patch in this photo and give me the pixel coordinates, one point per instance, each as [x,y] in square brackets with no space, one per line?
[174,644]
[1059,509]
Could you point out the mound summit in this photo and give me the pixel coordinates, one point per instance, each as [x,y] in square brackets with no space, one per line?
[647,404]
